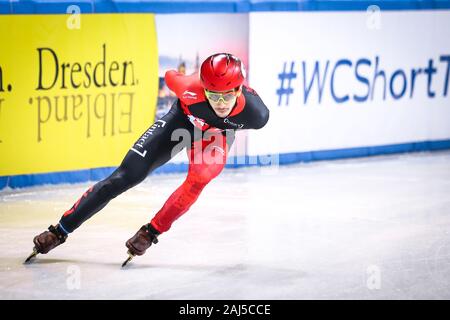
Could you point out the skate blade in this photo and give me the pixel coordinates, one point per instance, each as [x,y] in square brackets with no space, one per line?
[32,255]
[130,256]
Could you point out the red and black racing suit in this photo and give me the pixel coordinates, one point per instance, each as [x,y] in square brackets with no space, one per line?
[209,140]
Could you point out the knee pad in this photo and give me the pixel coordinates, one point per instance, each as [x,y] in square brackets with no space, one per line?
[205,173]
[109,189]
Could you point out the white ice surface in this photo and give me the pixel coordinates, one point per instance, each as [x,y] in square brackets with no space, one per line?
[369,228]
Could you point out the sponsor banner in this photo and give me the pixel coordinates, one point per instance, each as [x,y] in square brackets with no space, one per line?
[76,91]
[335,80]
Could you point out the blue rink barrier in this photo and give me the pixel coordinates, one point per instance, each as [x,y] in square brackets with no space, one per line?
[198,6]
[28,180]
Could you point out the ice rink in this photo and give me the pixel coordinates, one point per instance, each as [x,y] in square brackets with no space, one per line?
[368,228]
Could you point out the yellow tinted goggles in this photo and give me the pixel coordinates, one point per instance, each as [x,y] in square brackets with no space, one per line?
[224,96]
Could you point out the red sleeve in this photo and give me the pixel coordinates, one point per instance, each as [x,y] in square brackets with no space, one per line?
[186,87]
[172,79]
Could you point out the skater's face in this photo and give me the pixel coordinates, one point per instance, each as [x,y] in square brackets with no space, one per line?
[222,102]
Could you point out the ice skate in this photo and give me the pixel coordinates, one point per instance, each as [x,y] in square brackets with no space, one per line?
[140,242]
[47,241]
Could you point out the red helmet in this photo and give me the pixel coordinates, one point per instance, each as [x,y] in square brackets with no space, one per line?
[222,72]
